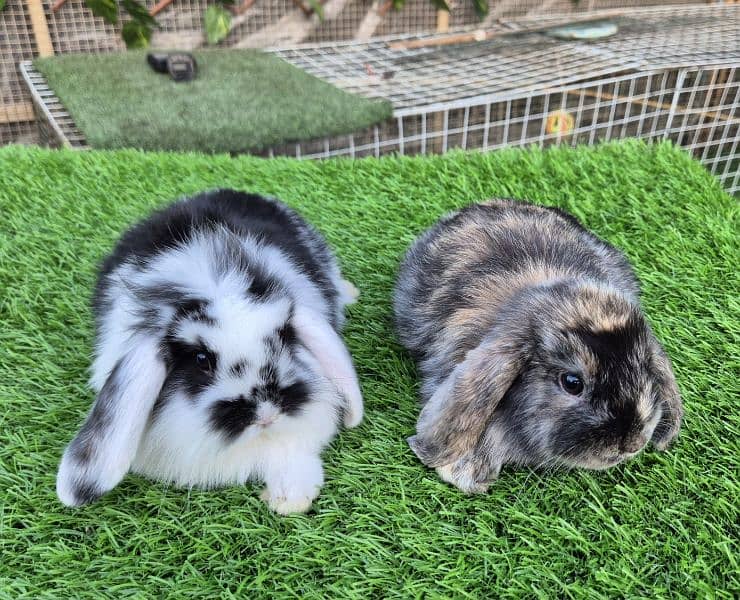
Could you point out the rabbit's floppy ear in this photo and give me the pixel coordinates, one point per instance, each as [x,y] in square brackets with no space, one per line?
[669,398]
[460,410]
[324,343]
[104,448]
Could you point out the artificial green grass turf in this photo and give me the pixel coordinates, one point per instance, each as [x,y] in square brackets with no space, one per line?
[662,526]
[242,100]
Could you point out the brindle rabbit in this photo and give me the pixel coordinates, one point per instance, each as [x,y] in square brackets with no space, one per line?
[532,346]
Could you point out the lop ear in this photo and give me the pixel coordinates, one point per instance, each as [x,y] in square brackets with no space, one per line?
[670,399]
[101,454]
[324,343]
[460,410]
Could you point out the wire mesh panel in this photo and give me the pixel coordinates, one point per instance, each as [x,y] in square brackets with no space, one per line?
[73,28]
[438,74]
[56,128]
[495,93]
[16,43]
[696,108]
[538,8]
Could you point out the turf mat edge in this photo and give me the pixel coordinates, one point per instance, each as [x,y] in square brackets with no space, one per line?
[241,101]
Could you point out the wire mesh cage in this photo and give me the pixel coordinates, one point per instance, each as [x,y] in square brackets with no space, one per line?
[696,108]
[671,72]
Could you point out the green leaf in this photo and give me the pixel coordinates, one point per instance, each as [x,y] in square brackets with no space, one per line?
[139,13]
[108,9]
[227,2]
[398,4]
[217,24]
[440,5]
[136,34]
[318,8]
[481,7]
[2,4]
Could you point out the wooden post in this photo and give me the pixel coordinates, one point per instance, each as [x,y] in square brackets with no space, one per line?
[23,111]
[443,21]
[40,27]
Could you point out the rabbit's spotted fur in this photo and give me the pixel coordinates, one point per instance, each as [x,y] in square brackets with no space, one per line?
[217,355]
[531,344]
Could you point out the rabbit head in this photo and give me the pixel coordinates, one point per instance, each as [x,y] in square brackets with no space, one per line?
[569,374]
[202,349]
[239,360]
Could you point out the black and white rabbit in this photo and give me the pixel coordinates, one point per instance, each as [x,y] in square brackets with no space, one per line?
[217,357]
[531,344]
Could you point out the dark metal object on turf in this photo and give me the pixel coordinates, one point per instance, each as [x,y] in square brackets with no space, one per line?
[180,66]
[157,62]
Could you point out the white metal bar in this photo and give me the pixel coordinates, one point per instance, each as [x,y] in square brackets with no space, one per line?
[445,123]
[486,125]
[400,135]
[424,134]
[25,68]
[465,128]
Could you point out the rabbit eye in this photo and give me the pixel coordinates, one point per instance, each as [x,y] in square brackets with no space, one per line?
[571,383]
[203,361]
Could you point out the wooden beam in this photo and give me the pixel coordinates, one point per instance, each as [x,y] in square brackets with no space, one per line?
[370,21]
[40,27]
[241,8]
[159,7]
[292,28]
[480,35]
[17,113]
[680,109]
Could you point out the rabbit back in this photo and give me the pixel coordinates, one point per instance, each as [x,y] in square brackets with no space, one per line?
[245,215]
[457,274]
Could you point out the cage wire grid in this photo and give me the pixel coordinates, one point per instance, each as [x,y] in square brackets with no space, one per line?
[648,39]
[694,107]
[670,74]
[16,44]
[73,28]
[643,82]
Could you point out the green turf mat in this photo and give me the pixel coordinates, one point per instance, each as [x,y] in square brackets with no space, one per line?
[662,526]
[242,100]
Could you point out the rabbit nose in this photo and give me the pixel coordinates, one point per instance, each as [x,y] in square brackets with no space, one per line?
[633,444]
[267,414]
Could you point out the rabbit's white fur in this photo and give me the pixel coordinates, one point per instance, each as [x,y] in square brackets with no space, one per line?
[175,440]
